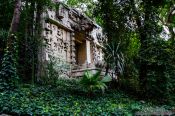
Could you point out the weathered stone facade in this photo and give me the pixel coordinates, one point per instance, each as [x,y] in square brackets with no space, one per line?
[73,37]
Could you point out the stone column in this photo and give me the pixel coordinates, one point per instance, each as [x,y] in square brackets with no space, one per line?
[68,47]
[73,60]
[88,52]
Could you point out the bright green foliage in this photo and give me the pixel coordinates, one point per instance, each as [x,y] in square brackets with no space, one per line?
[130,81]
[68,99]
[92,82]
[87,6]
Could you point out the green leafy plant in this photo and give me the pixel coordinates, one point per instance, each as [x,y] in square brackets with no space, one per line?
[160,71]
[92,82]
[8,66]
[114,58]
[3,39]
[55,68]
[37,100]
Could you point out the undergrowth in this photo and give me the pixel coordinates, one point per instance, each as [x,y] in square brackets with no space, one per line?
[68,98]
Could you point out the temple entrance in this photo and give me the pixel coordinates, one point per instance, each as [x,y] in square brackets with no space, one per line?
[80,46]
[80,53]
[82,50]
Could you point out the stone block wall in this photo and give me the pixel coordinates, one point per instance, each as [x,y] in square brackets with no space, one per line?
[63,28]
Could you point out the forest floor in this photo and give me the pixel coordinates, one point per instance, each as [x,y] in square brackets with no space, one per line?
[68,98]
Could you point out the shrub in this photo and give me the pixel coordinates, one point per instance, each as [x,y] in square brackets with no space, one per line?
[55,68]
[160,71]
[114,57]
[92,82]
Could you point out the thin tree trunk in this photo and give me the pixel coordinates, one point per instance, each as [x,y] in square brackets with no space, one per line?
[31,19]
[26,23]
[26,39]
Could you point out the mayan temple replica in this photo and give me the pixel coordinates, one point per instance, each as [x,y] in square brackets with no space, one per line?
[73,37]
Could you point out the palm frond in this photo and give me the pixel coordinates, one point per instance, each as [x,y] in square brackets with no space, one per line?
[92,82]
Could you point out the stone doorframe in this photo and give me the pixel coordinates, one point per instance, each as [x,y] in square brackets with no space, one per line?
[83,47]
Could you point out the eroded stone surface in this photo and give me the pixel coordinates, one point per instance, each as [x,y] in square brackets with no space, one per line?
[72,36]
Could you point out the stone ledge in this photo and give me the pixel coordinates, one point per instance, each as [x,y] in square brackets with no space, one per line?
[80,73]
[58,24]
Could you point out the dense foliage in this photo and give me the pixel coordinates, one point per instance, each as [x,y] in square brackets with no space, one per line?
[68,99]
[3,39]
[8,70]
[147,67]
[139,52]
[92,82]
[85,6]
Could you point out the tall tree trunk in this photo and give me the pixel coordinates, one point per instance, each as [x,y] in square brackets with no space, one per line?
[16,17]
[31,33]
[14,24]
[25,60]
[31,19]
[38,30]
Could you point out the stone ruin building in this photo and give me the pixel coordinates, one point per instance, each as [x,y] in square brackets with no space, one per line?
[73,37]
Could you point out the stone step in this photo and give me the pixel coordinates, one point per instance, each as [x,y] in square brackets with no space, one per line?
[80,72]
